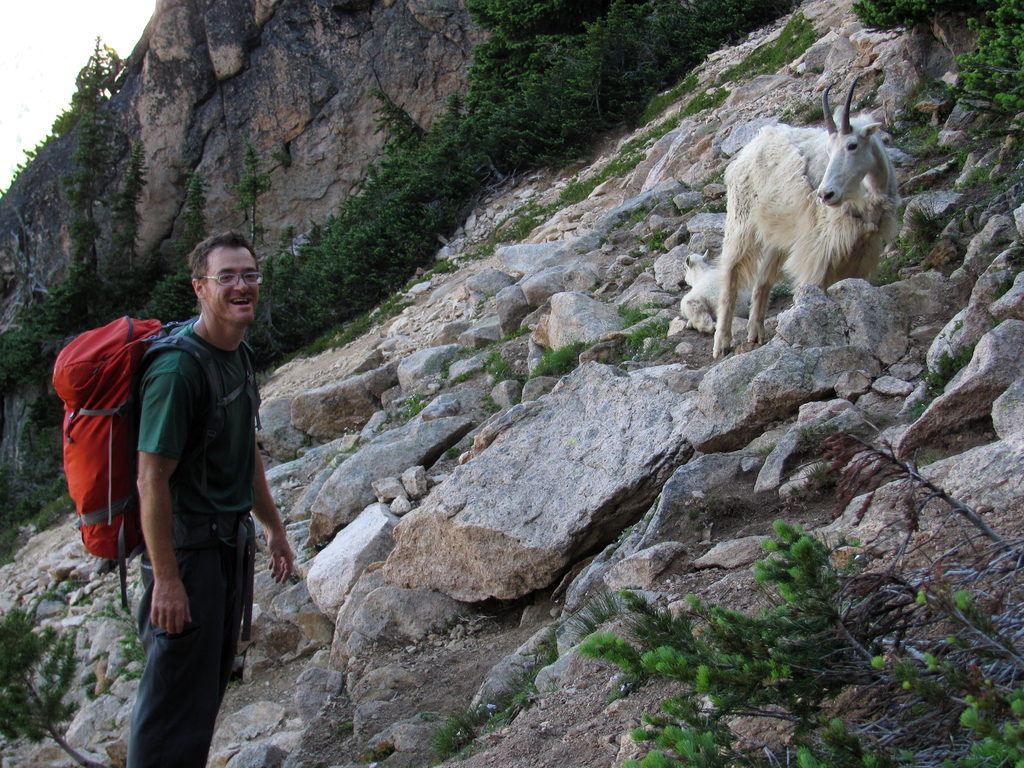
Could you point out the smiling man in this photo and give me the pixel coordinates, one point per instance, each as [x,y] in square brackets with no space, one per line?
[195,495]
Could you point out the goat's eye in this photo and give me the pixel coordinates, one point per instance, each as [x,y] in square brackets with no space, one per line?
[851,147]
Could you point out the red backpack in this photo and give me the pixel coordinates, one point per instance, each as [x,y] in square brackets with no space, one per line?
[97,376]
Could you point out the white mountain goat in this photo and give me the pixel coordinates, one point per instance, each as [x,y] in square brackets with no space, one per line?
[820,204]
[700,303]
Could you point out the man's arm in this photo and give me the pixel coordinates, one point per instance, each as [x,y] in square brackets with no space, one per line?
[169,610]
[282,559]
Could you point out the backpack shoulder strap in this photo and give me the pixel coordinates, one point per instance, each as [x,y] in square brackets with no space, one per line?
[248,363]
[214,387]
[218,399]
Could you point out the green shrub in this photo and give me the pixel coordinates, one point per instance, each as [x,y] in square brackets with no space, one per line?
[887,14]
[926,658]
[37,667]
[457,732]
[633,315]
[595,612]
[411,406]
[946,367]
[992,71]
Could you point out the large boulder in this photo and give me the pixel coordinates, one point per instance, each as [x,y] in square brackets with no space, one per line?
[997,362]
[277,437]
[294,484]
[741,395]
[670,268]
[349,488]
[485,331]
[576,276]
[296,606]
[391,613]
[986,476]
[330,410]
[487,283]
[1008,413]
[876,319]
[511,306]
[663,192]
[421,367]
[966,328]
[528,258]
[554,485]
[575,317]
[365,540]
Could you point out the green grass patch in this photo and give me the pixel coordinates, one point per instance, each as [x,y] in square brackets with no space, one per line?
[498,367]
[656,242]
[803,113]
[921,141]
[633,315]
[649,340]
[708,99]
[558,362]
[352,329]
[411,407]
[578,190]
[522,222]
[663,101]
[456,736]
[796,37]
[946,367]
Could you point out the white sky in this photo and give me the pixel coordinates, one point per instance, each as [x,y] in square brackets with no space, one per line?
[43,45]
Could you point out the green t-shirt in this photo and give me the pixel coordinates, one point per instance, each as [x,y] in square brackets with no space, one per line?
[174,400]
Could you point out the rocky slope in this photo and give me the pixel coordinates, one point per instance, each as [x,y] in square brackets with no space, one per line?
[453,519]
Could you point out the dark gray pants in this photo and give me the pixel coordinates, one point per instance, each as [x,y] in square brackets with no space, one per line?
[186,674]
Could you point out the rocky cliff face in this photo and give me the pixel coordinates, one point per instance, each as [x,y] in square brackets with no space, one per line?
[456,511]
[295,78]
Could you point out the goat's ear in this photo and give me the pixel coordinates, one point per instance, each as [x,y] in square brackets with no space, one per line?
[870,128]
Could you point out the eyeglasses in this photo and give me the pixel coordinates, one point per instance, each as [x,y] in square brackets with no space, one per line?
[230,278]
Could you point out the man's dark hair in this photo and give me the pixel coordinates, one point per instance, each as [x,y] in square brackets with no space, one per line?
[198,258]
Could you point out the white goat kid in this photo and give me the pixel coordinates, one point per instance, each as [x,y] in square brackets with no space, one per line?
[700,303]
[819,204]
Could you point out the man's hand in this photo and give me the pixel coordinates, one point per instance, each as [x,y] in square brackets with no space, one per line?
[282,559]
[169,610]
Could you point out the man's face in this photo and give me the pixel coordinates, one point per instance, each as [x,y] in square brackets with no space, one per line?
[233,304]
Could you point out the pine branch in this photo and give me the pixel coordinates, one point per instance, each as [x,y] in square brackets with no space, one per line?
[865,467]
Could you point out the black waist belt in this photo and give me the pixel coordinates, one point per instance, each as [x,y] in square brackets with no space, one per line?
[194,530]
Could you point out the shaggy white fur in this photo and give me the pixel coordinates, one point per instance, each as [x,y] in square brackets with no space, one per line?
[699,304]
[821,205]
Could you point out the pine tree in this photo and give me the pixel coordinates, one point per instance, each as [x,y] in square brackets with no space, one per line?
[92,121]
[124,208]
[36,671]
[193,216]
[250,187]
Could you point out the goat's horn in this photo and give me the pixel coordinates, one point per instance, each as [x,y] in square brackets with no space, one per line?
[846,111]
[830,124]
